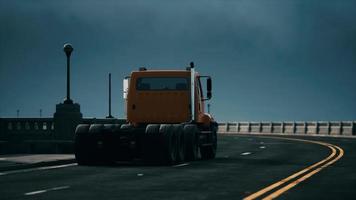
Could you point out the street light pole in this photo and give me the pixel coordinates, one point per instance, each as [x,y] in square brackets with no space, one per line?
[110,116]
[68,50]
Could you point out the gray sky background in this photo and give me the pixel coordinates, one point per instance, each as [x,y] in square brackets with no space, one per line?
[270,60]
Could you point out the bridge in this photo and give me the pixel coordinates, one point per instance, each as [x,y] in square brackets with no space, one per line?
[40,135]
[255,160]
[248,165]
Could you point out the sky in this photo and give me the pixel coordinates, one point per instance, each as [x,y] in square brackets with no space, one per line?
[270,60]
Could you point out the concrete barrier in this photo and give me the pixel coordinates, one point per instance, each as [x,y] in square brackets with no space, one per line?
[40,135]
[322,128]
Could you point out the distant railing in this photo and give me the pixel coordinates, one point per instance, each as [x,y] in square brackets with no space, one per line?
[334,128]
[26,127]
[37,128]
[41,135]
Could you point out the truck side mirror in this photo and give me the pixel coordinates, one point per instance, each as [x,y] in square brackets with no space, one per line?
[209,87]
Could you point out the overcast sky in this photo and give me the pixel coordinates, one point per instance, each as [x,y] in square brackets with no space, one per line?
[270,60]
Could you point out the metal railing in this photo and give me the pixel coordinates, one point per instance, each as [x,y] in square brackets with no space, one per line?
[40,135]
[38,128]
[33,128]
[347,128]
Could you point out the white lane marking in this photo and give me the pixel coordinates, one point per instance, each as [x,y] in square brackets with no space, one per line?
[139,174]
[2,159]
[181,165]
[35,192]
[57,166]
[37,169]
[262,147]
[46,190]
[60,187]
[245,153]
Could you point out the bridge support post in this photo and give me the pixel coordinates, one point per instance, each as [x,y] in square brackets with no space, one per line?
[305,128]
[282,127]
[66,118]
[260,127]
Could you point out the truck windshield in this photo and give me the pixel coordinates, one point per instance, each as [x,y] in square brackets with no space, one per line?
[162,83]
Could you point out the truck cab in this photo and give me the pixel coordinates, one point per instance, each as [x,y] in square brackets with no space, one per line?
[164,96]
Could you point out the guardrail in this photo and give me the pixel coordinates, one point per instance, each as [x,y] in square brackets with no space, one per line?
[347,128]
[40,135]
[38,128]
[26,128]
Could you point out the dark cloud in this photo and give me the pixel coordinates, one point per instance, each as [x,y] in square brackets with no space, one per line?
[271,60]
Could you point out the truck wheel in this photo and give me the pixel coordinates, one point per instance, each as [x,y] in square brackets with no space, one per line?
[109,135]
[169,144]
[81,144]
[191,142]
[150,141]
[209,152]
[178,129]
[97,147]
[126,127]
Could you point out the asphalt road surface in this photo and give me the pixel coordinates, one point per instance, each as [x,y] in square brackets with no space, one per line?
[251,167]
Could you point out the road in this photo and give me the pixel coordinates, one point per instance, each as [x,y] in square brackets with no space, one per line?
[244,165]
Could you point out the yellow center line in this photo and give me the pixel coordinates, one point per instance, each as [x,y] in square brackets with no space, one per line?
[294,183]
[323,162]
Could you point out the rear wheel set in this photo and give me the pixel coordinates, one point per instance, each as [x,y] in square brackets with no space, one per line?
[93,143]
[81,145]
[191,142]
[170,143]
[158,143]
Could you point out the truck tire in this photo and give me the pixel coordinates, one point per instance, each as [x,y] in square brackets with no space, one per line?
[209,152]
[178,129]
[169,144]
[98,145]
[150,143]
[81,144]
[191,142]
[126,127]
[109,135]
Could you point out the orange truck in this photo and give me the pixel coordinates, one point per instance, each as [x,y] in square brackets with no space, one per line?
[166,122]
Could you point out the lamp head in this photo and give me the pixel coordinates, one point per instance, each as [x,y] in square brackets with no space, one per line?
[68,49]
